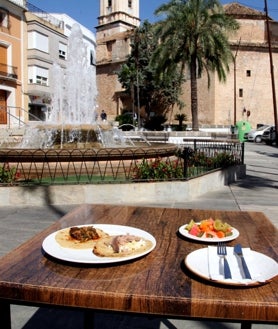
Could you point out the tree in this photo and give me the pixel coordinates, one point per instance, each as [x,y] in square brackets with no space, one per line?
[156,93]
[180,117]
[194,34]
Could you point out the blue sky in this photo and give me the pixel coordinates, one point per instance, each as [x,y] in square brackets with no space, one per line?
[86,12]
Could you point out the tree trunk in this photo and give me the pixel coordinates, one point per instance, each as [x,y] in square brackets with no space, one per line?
[194,96]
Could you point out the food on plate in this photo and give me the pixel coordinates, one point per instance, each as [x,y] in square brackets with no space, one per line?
[209,228]
[121,245]
[84,233]
[79,237]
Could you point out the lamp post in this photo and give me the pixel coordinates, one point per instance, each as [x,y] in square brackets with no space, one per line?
[272,74]
[235,86]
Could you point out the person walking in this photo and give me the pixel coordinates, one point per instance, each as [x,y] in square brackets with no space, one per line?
[103,115]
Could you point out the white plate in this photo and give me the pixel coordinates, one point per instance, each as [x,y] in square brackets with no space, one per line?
[185,233]
[54,249]
[262,268]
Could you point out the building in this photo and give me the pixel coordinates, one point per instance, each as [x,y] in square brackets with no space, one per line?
[116,22]
[247,93]
[31,41]
[248,86]
[48,44]
[12,51]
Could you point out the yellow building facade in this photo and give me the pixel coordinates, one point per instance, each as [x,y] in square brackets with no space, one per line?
[11,63]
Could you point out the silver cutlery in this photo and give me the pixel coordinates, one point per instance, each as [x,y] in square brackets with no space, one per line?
[238,251]
[222,252]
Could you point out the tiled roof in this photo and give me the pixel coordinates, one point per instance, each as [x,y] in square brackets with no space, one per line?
[240,11]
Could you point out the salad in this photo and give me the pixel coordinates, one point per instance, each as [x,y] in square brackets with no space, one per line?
[209,228]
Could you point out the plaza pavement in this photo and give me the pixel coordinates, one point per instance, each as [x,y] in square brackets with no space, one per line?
[257,192]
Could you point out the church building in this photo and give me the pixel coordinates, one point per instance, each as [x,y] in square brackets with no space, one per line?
[117,20]
[247,93]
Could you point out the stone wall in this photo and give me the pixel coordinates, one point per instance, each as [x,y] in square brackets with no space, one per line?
[135,193]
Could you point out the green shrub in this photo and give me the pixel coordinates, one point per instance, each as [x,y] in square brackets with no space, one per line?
[198,163]
[224,160]
[157,169]
[8,174]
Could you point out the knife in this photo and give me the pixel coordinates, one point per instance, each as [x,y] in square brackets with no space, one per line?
[238,251]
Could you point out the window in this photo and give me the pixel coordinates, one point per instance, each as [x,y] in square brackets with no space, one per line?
[109,7]
[62,51]
[41,80]
[38,75]
[248,73]
[37,41]
[4,18]
[129,3]
[92,61]
[240,92]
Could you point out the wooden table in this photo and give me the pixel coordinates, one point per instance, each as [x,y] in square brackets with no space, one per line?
[158,284]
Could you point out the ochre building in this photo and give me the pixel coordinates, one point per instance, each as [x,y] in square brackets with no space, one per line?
[248,89]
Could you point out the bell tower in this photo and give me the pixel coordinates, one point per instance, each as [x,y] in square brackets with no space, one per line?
[117,16]
[116,23]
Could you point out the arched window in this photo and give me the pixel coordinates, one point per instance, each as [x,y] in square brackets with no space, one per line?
[109,3]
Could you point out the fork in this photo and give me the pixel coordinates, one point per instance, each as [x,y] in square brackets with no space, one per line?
[222,252]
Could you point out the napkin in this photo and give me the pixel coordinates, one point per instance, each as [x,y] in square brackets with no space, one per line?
[216,268]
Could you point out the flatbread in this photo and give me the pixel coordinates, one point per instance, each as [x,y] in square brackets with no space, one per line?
[65,240]
[104,247]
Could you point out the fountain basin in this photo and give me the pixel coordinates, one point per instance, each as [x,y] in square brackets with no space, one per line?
[64,166]
[93,154]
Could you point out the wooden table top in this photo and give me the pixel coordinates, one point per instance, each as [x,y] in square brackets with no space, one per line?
[157,284]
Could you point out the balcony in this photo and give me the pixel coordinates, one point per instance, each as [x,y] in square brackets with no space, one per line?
[45,16]
[20,3]
[7,71]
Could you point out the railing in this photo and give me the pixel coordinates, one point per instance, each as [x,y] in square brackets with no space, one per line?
[8,71]
[208,154]
[17,120]
[44,15]
[19,2]
[91,166]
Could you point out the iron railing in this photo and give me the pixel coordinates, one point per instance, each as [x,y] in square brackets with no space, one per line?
[15,116]
[44,15]
[8,71]
[114,165]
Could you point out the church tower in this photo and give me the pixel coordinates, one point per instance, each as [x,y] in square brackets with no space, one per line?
[117,20]
[117,16]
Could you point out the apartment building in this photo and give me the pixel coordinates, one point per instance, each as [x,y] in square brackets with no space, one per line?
[12,52]
[31,41]
[47,42]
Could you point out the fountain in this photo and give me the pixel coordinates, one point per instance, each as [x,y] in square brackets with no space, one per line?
[71,120]
[70,132]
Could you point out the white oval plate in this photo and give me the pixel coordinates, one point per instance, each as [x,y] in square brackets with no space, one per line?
[262,268]
[54,249]
[185,233]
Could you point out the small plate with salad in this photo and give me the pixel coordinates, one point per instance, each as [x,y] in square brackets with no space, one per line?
[209,230]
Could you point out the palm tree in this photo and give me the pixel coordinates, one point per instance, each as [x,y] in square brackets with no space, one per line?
[194,34]
[180,117]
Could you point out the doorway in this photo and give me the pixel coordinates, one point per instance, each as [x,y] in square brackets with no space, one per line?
[3,107]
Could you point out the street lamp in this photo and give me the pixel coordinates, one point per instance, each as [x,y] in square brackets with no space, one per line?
[272,74]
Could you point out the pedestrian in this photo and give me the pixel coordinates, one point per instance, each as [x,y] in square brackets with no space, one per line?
[103,115]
